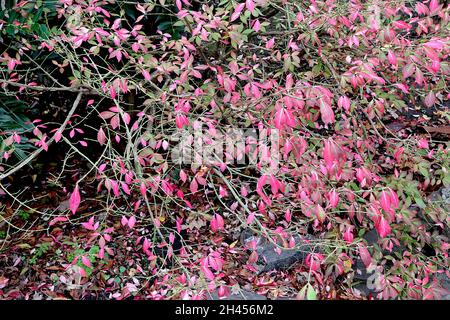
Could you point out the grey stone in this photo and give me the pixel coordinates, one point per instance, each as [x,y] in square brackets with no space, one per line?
[444,284]
[269,259]
[441,197]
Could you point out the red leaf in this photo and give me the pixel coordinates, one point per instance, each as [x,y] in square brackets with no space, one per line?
[270,43]
[3,282]
[143,189]
[394,198]
[383,227]
[348,235]
[217,222]
[333,198]
[125,188]
[101,137]
[193,186]
[75,200]
[430,99]
[392,58]
[250,218]
[106,114]
[57,219]
[207,272]
[115,121]
[408,70]
[365,255]
[385,201]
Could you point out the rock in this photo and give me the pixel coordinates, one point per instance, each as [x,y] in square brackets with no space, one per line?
[242,295]
[366,279]
[269,259]
[440,200]
[441,197]
[444,283]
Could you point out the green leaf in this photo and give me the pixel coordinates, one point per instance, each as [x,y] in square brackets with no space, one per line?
[446,180]
[423,169]
[311,293]
[419,202]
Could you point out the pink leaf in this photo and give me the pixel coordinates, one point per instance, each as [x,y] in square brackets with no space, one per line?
[274,184]
[115,121]
[126,118]
[217,222]
[3,282]
[430,99]
[237,11]
[58,136]
[220,223]
[365,255]
[207,272]
[101,137]
[75,199]
[348,235]
[124,221]
[435,44]
[181,120]
[57,219]
[82,272]
[86,262]
[392,58]
[326,112]
[178,4]
[270,43]
[394,198]
[383,227]
[193,186]
[250,5]
[408,70]
[279,119]
[125,188]
[344,102]
[333,198]
[223,292]
[131,222]
[183,176]
[433,5]
[385,201]
[250,218]
[106,115]
[288,216]
[143,189]
[89,225]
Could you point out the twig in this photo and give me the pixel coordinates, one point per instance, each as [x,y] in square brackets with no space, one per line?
[38,151]
[42,88]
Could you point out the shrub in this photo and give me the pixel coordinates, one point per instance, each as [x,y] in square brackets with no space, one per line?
[326,78]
